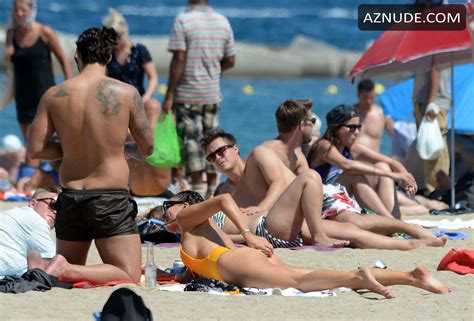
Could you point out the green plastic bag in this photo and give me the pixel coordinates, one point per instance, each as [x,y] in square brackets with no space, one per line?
[167,151]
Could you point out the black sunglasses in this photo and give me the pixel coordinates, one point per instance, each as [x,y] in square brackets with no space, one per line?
[353,128]
[167,204]
[220,151]
[51,202]
[312,120]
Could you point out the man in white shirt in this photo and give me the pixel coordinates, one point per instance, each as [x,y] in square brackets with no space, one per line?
[26,229]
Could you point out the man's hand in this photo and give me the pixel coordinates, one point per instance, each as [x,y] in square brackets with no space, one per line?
[167,105]
[432,111]
[252,210]
[259,243]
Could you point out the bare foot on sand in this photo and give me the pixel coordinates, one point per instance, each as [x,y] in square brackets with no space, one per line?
[330,242]
[58,267]
[425,280]
[370,283]
[437,241]
[35,261]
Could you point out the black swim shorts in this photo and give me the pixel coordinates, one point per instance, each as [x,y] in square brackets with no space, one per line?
[84,215]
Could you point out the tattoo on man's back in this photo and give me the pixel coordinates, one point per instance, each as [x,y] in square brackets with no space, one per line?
[109,97]
[60,93]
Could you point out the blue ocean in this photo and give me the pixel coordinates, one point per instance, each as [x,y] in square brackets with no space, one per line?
[250,115]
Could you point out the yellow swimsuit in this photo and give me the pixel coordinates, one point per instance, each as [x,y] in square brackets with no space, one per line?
[206,267]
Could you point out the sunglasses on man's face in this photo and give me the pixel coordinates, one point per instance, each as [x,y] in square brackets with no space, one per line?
[48,201]
[220,151]
[353,128]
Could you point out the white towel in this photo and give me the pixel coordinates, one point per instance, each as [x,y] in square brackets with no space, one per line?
[276,291]
[456,224]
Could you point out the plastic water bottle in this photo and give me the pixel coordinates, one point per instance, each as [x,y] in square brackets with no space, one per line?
[150,267]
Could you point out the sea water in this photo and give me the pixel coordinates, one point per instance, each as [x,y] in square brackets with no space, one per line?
[272,22]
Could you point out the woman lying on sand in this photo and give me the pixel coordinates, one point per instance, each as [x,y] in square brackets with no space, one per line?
[209,252]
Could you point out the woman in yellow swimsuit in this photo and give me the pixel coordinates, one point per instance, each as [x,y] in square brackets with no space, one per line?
[208,251]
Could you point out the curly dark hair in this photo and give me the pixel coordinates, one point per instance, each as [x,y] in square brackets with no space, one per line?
[190,197]
[95,45]
[290,114]
[212,134]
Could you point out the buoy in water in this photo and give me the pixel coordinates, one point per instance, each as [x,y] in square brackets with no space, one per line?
[247,89]
[332,89]
[379,88]
[162,89]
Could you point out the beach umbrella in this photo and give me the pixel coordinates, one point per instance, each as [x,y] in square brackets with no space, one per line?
[398,51]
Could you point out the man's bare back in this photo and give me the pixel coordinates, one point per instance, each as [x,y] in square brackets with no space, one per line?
[91,114]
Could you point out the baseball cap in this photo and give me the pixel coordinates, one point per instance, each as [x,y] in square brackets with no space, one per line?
[340,114]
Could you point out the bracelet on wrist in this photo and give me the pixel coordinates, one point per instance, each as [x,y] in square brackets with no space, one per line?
[245,230]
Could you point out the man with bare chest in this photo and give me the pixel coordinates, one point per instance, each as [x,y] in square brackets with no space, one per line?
[92,114]
[371,115]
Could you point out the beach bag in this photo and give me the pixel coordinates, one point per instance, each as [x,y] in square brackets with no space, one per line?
[458,260]
[125,305]
[7,88]
[167,151]
[429,141]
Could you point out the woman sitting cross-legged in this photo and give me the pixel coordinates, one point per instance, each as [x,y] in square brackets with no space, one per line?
[207,251]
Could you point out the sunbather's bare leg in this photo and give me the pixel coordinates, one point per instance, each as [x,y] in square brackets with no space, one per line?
[260,273]
[382,225]
[302,200]
[385,188]
[409,206]
[358,186]
[121,256]
[360,238]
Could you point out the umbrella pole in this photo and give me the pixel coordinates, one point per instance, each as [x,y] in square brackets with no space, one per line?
[453,132]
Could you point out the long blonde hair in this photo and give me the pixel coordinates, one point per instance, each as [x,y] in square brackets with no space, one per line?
[117,21]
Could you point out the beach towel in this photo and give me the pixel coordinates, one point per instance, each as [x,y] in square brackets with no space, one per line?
[266,292]
[452,235]
[88,285]
[458,260]
[34,280]
[444,224]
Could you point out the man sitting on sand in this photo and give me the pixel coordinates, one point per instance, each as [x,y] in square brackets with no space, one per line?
[262,180]
[26,229]
[92,114]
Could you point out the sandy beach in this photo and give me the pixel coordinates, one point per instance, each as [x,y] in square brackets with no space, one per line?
[410,303]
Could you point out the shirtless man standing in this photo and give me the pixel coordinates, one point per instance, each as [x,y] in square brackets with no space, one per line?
[369,113]
[91,115]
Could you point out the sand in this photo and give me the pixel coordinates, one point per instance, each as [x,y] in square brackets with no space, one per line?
[410,303]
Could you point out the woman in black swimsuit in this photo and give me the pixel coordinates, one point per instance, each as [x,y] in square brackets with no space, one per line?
[28,47]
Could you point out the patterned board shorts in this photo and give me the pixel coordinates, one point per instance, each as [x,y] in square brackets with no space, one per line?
[191,123]
[337,201]
[276,242]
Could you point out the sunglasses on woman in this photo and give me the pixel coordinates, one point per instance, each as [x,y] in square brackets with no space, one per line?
[167,205]
[220,151]
[353,128]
